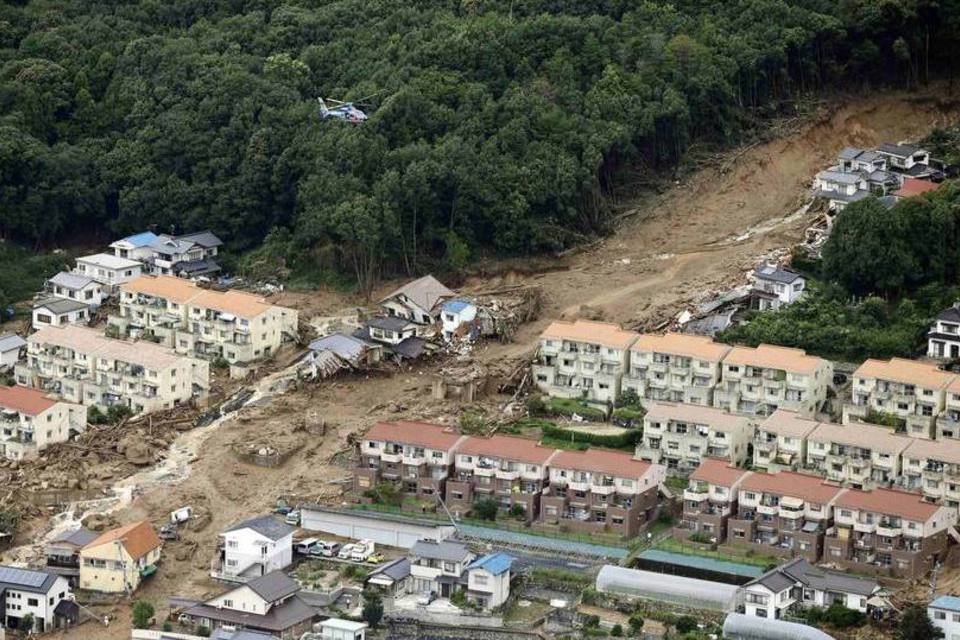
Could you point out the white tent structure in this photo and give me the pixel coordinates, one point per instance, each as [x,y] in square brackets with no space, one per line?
[661,587]
[738,626]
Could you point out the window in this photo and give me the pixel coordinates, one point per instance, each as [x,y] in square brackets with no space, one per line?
[228,603]
[33,602]
[939,615]
[480,579]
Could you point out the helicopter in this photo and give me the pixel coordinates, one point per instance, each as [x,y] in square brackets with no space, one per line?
[341,110]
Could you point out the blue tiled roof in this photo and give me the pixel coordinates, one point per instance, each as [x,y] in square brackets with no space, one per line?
[141,239]
[455,306]
[495,563]
[951,603]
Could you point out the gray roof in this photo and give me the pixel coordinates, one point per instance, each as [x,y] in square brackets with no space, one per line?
[395,569]
[887,201]
[274,585]
[71,280]
[197,267]
[280,618]
[859,194]
[424,292]
[849,153]
[774,580]
[899,150]
[950,315]
[777,274]
[206,239]
[882,176]
[26,579]
[79,537]
[267,526]
[60,305]
[11,341]
[388,323]
[169,244]
[239,634]
[869,156]
[840,177]
[412,347]
[823,580]
[347,347]
[448,550]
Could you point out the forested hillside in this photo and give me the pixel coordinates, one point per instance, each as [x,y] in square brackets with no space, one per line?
[496,126]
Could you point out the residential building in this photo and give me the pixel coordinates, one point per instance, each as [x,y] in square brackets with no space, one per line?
[392,579]
[760,380]
[135,247]
[119,559]
[933,468]
[12,348]
[72,286]
[679,436]
[948,422]
[337,351]
[943,340]
[840,189]
[235,325]
[417,456]
[454,314]
[270,604]
[781,440]
[63,553]
[675,367]
[511,471]
[859,455]
[390,330]
[903,157]
[227,633]
[82,366]
[57,312]
[340,629]
[944,611]
[888,532]
[800,585]
[912,392]
[583,359]
[109,270]
[852,159]
[187,256]
[488,580]
[710,500]
[775,287]
[253,548]
[438,567]
[43,596]
[31,420]
[418,301]
[785,514]
[600,490]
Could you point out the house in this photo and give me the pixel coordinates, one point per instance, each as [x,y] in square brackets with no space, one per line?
[12,348]
[781,439]
[454,314]
[775,287]
[944,611]
[599,490]
[118,560]
[488,580]
[948,422]
[932,467]
[109,270]
[63,553]
[840,189]
[253,548]
[859,455]
[903,157]
[915,187]
[438,567]
[208,242]
[82,366]
[417,456]
[583,359]
[392,579]
[340,629]
[910,392]
[31,420]
[418,301]
[183,256]
[679,436]
[675,367]
[76,287]
[269,604]
[346,350]
[390,330]
[710,500]
[798,584]
[226,633]
[43,596]
[943,339]
[57,312]
[135,247]
[888,532]
[851,160]
[760,380]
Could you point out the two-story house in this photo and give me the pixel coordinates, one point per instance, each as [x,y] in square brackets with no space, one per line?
[135,247]
[457,315]
[840,188]
[888,532]
[511,471]
[904,157]
[31,420]
[63,553]
[760,380]
[911,392]
[948,422]
[860,455]
[438,567]
[119,559]
[943,340]
[417,456]
[710,499]
[40,596]
[109,270]
[675,367]
[182,256]
[418,301]
[781,440]
[933,468]
[583,359]
[679,436]
[944,612]
[488,580]
[253,548]
[72,286]
[601,490]
[775,287]
[853,159]
[51,311]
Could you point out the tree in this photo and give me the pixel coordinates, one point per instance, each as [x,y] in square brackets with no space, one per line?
[915,624]
[142,614]
[685,624]
[617,630]
[636,624]
[27,623]
[372,607]
[486,509]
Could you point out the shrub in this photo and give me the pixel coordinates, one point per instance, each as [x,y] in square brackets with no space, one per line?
[220,363]
[686,624]
[486,509]
[625,440]
[142,612]
[372,608]
[569,406]
[591,621]
[517,511]
[459,598]
[636,624]
[701,537]
[617,630]
[472,423]
[536,406]
[628,399]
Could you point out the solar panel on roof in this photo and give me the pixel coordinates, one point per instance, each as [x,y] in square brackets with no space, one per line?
[23,577]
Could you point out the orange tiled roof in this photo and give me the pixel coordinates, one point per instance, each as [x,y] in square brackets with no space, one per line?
[905,371]
[239,303]
[718,472]
[423,434]
[691,346]
[771,356]
[603,333]
[138,538]
[915,187]
[811,489]
[27,401]
[614,463]
[904,504]
[789,424]
[508,448]
[168,287]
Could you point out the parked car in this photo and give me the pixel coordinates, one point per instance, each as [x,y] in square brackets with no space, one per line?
[345,552]
[326,549]
[427,598]
[168,532]
[293,518]
[376,558]
[305,546]
[362,550]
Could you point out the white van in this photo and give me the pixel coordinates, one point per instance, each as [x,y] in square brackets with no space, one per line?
[345,552]
[305,546]
[362,550]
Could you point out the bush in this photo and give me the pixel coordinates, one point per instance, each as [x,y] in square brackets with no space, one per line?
[486,509]
[591,621]
[626,440]
[536,406]
[686,624]
[569,406]
[836,615]
[701,537]
[472,424]
[636,624]
[220,363]
[617,630]
[167,627]
[386,493]
[372,608]
[142,613]
[517,511]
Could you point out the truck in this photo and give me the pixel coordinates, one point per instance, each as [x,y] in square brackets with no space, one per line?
[293,518]
[181,515]
[362,550]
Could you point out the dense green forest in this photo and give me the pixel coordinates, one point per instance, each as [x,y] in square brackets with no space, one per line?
[497,126]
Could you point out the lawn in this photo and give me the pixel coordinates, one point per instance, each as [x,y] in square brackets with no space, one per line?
[745,557]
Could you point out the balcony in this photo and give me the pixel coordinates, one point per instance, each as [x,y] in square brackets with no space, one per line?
[769,510]
[414,460]
[865,527]
[391,457]
[503,474]
[603,489]
[888,531]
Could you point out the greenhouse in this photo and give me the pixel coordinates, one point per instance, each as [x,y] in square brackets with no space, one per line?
[738,626]
[670,589]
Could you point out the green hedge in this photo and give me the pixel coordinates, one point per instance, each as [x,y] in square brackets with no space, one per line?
[569,406]
[625,440]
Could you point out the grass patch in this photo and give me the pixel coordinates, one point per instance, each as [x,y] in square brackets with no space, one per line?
[569,406]
[746,557]
[676,483]
[626,440]
[563,443]
[23,272]
[528,615]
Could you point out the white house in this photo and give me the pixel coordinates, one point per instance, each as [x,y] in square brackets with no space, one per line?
[903,157]
[454,314]
[109,270]
[76,287]
[488,580]
[12,347]
[340,629]
[417,301]
[438,567]
[44,596]
[776,287]
[945,613]
[253,548]
[57,312]
[30,420]
[840,188]
[390,329]
[135,247]
[184,256]
[943,340]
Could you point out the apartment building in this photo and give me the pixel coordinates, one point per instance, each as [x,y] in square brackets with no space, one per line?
[675,367]
[785,514]
[948,422]
[933,468]
[417,455]
[82,366]
[600,490]
[679,436]
[912,392]
[888,532]
[235,325]
[763,379]
[710,499]
[781,440]
[859,455]
[583,359]
[509,470]
[31,420]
